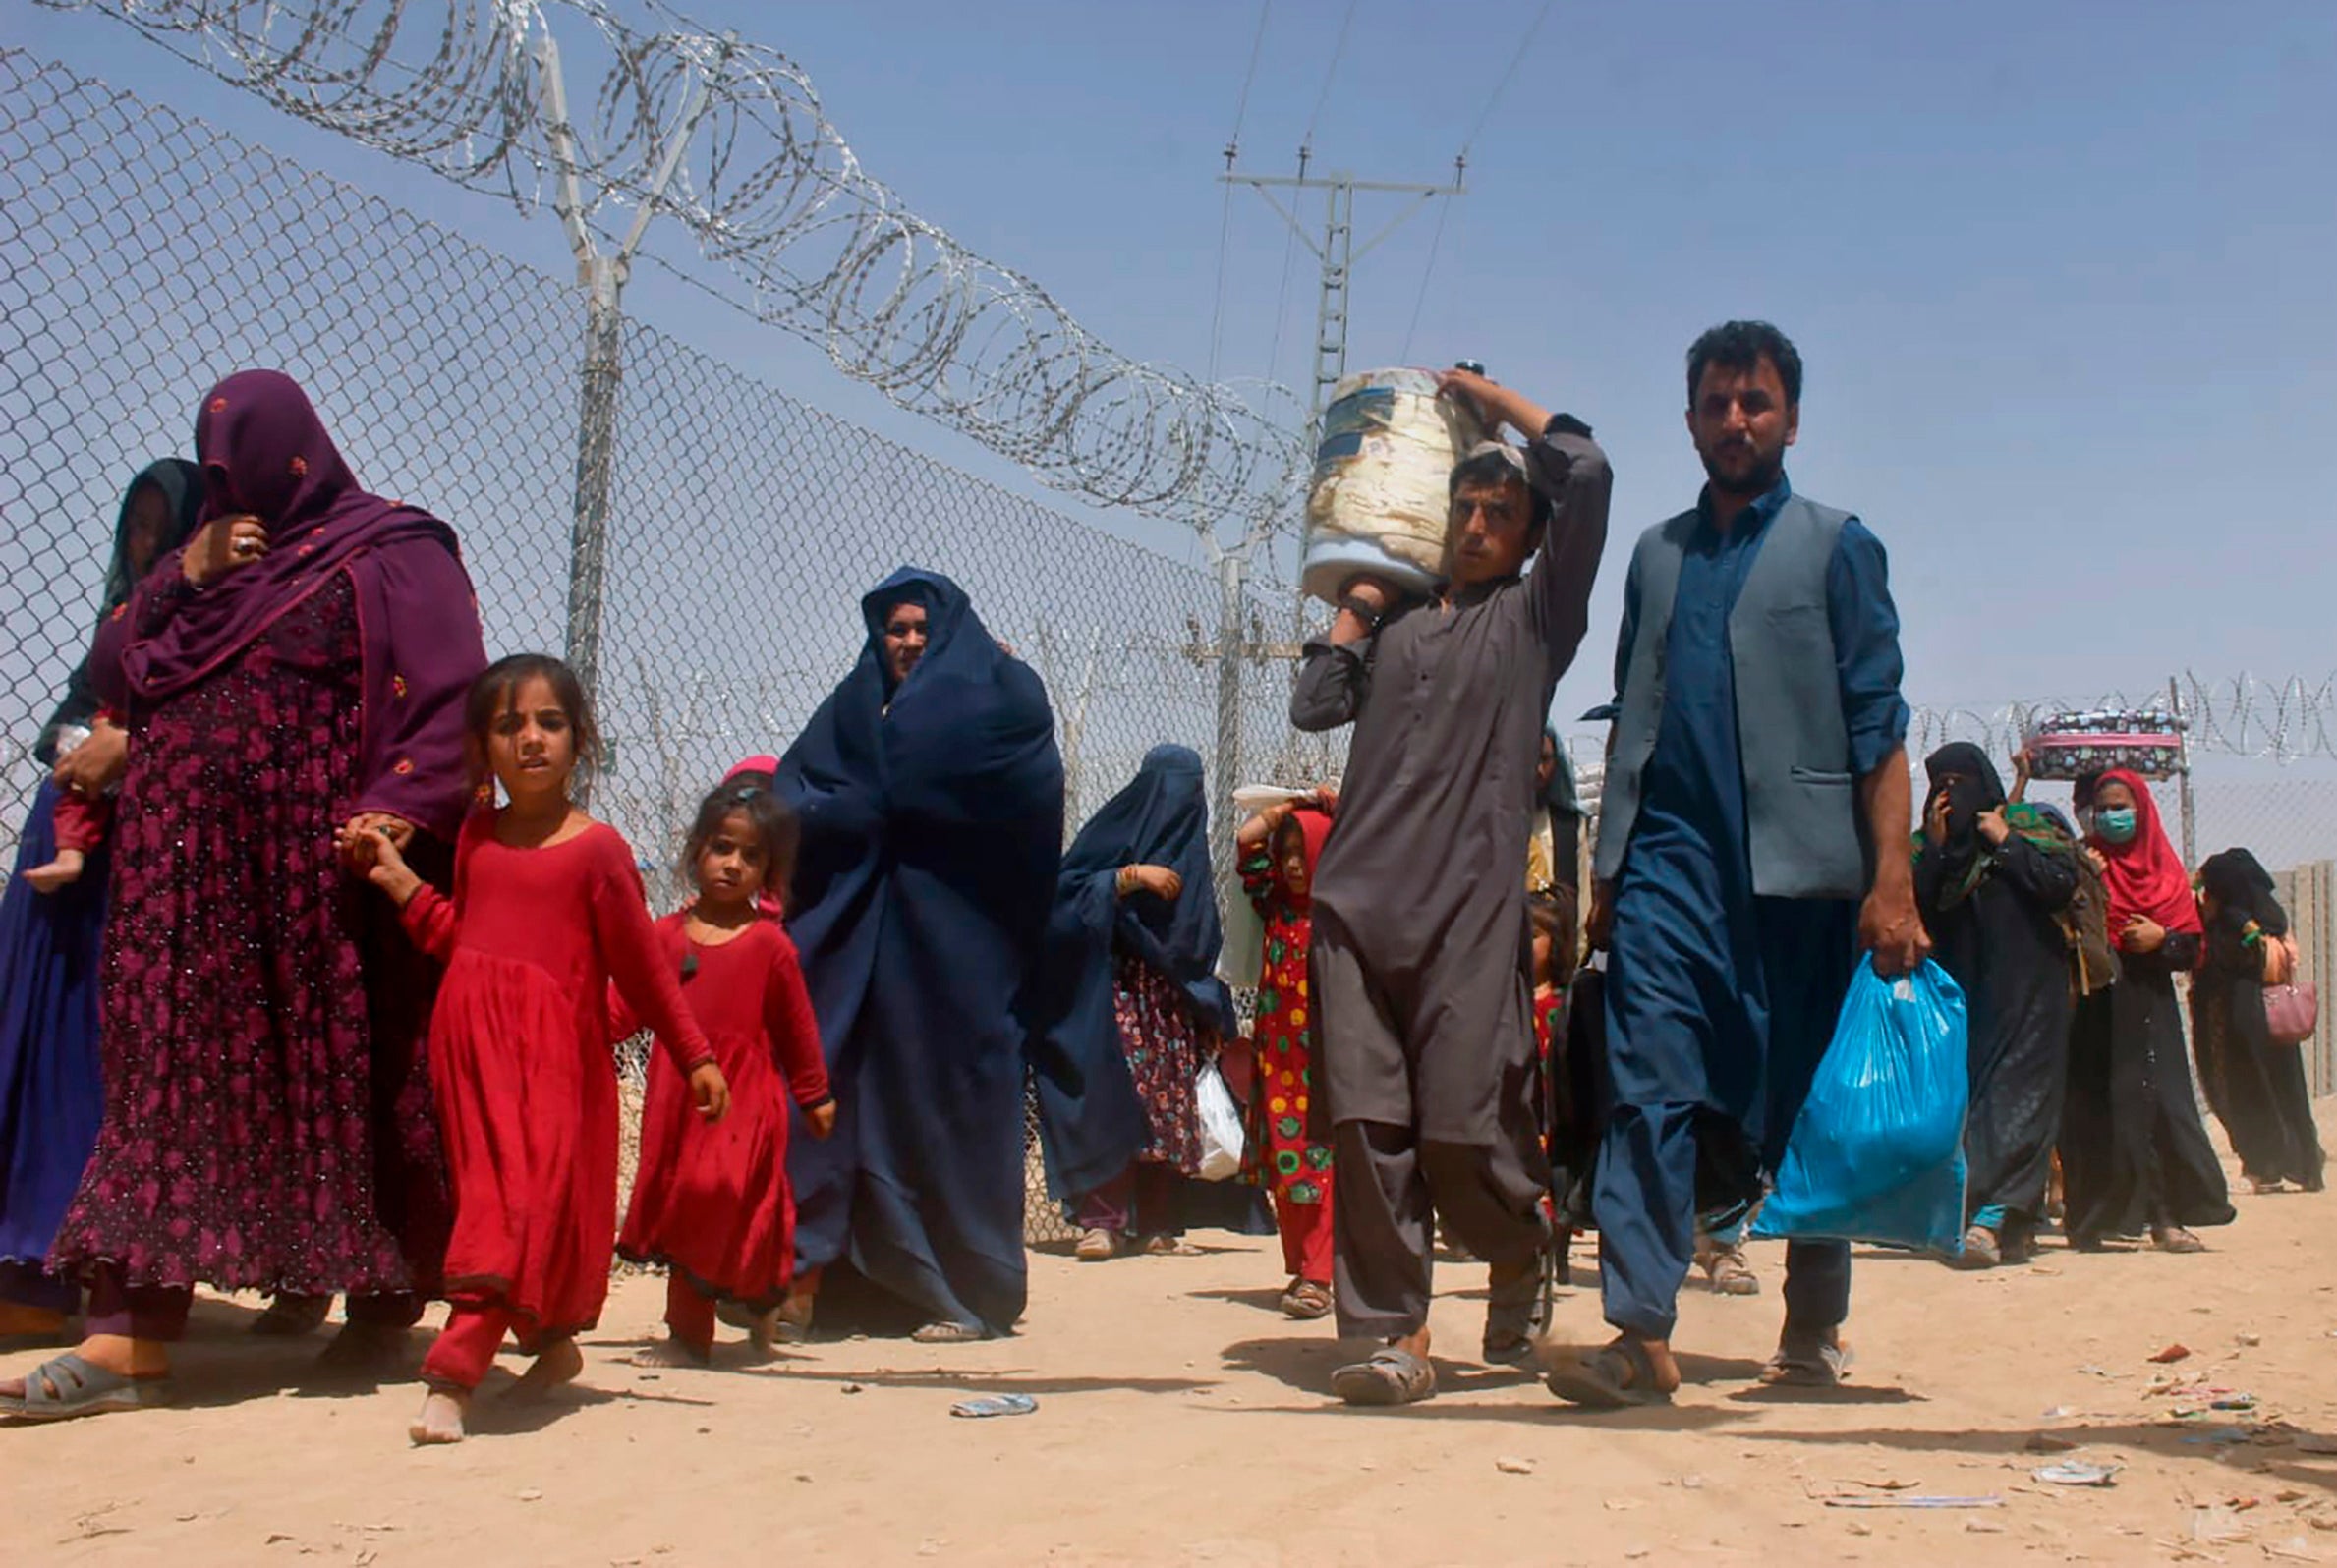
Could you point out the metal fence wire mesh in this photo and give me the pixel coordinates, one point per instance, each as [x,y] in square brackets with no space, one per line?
[144,255]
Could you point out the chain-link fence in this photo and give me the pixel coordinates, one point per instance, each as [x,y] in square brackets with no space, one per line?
[144,255]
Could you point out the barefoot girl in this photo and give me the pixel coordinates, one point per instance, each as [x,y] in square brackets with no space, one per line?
[546,908]
[711,1203]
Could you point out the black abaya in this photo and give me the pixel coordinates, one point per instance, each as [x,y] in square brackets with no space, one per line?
[2133,1153]
[2257,1089]
[2000,943]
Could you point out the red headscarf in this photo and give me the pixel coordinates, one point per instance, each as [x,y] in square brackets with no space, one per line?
[2145,875]
[1314,826]
[764,763]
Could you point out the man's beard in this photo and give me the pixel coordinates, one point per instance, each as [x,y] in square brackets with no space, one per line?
[1760,480]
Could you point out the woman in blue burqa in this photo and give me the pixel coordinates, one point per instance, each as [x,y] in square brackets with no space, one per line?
[50,1094]
[1128,993]
[932,800]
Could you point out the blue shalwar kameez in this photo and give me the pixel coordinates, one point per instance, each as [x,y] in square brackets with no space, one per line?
[1718,999]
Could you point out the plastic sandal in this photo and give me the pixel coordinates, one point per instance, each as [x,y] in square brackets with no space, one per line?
[1307,1299]
[1980,1250]
[940,1333]
[1615,1376]
[2176,1239]
[1393,1375]
[67,1385]
[1726,1271]
[1808,1362]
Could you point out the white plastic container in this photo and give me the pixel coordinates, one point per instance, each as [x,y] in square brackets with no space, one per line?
[1379,501]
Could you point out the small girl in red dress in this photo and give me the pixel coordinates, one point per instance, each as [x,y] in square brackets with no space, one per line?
[546,908]
[711,1203]
[1278,849]
[1553,919]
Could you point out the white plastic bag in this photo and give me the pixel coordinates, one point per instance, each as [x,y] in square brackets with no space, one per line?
[1222,1139]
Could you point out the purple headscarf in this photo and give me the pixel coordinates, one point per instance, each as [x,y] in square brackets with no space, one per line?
[264,451]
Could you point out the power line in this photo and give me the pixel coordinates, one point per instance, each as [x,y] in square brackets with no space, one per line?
[1282,305]
[1216,310]
[1515,60]
[1241,109]
[1329,72]
[1426,273]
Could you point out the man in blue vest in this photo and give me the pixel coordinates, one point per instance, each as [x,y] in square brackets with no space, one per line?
[1754,838]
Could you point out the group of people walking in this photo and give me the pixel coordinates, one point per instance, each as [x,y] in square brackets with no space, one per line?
[314,965]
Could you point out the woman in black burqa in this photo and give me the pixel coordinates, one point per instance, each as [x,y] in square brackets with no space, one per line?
[1994,879]
[2256,1088]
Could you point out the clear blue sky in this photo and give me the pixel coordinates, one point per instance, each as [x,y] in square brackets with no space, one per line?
[2062,274]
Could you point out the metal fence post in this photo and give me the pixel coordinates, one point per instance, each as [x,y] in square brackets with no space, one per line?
[603,275]
[596,461]
[1228,773]
[2190,809]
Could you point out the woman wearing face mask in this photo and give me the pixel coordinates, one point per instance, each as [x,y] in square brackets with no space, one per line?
[2133,1149]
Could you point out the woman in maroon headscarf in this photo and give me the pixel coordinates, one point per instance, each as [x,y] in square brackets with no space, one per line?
[294,679]
[2133,1152]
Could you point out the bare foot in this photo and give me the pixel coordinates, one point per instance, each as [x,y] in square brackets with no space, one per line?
[559,1362]
[30,1323]
[671,1350]
[441,1418]
[63,871]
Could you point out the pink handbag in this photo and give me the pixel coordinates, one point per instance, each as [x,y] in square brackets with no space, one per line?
[2292,1012]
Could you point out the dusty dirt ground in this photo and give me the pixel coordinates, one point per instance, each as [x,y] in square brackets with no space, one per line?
[1181,1420]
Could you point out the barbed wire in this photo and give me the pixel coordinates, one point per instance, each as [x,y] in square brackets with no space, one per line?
[775,199]
[2289,720]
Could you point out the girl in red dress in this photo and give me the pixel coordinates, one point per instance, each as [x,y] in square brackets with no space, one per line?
[1278,849]
[1553,919]
[711,1203]
[547,908]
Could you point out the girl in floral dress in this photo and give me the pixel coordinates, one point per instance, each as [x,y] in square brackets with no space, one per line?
[1277,848]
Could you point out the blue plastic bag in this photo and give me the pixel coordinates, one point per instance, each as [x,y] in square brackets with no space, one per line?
[1877,1153]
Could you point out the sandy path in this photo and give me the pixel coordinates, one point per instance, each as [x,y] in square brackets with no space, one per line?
[1181,1420]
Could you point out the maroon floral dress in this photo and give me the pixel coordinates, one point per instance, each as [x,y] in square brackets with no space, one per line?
[267,1126]
[1166,1047]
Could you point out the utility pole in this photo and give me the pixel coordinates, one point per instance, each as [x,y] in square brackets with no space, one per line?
[603,278]
[1336,252]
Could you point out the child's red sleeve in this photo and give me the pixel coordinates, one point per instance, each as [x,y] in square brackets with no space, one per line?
[81,820]
[636,960]
[429,918]
[429,915]
[794,1031]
